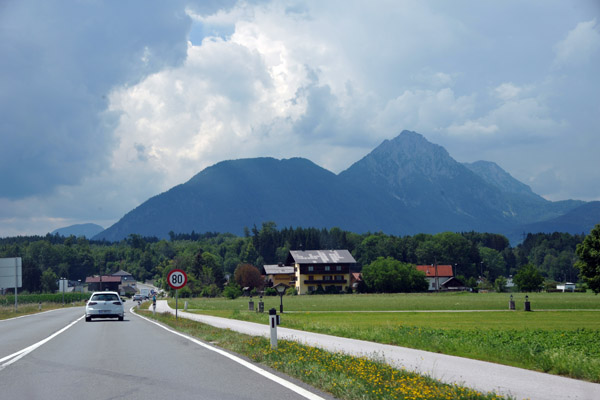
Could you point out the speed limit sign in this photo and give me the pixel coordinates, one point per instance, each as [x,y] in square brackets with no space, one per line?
[177,279]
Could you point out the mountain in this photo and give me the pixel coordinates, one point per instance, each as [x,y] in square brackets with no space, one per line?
[579,220]
[406,185]
[87,230]
[428,186]
[231,195]
[519,197]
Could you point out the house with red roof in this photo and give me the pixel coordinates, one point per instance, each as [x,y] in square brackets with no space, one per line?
[441,277]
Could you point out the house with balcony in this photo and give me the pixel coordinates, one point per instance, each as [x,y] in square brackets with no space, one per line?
[279,273]
[328,270]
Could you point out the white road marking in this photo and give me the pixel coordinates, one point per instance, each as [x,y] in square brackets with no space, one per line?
[6,361]
[293,387]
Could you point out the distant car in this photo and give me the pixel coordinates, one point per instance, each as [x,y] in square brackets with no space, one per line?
[104,305]
[138,297]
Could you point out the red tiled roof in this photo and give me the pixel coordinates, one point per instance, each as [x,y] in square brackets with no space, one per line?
[357,276]
[105,278]
[442,270]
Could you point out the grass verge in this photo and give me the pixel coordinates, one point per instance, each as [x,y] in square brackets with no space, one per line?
[7,312]
[343,376]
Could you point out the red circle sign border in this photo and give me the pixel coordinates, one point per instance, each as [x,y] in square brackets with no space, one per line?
[169,278]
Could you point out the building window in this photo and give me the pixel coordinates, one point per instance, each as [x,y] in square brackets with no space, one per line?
[311,268]
[338,268]
[327,268]
[327,277]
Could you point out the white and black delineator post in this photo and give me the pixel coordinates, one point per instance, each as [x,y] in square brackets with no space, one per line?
[273,322]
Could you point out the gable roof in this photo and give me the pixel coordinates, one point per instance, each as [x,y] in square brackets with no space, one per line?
[121,273]
[105,279]
[321,257]
[278,269]
[442,270]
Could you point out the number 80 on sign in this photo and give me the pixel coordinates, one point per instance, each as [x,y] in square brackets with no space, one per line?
[177,279]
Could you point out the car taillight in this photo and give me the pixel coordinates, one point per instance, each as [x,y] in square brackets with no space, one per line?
[91,303]
[117,303]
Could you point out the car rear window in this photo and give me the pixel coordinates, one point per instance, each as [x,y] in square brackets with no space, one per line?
[105,297]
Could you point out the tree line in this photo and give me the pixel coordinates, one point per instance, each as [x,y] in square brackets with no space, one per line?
[210,258]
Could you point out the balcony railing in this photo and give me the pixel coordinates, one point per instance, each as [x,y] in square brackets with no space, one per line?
[324,281]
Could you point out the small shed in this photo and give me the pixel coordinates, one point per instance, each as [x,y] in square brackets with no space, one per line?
[566,287]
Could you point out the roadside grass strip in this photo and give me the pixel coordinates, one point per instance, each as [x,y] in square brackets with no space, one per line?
[344,376]
[12,358]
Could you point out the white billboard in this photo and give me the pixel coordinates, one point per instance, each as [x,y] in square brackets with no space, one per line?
[10,268]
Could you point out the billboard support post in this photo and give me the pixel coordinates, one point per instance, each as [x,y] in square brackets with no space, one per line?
[16,283]
[8,267]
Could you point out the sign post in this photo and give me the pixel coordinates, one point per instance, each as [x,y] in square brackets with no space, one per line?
[176,279]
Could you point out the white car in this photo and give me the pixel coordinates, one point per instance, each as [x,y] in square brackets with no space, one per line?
[104,305]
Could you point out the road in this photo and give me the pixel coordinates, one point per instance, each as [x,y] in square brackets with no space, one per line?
[57,355]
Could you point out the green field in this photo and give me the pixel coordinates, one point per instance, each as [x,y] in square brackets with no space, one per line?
[561,335]
[406,302]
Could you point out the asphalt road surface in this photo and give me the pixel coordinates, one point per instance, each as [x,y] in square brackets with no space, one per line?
[57,355]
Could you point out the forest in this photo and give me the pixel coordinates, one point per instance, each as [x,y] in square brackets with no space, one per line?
[211,258]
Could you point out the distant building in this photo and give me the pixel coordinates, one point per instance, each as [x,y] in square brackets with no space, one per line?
[126,277]
[311,270]
[566,287]
[104,282]
[355,279]
[280,273]
[440,277]
[324,269]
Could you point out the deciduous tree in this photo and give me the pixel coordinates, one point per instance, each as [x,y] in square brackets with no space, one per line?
[589,259]
[247,275]
[528,279]
[388,275]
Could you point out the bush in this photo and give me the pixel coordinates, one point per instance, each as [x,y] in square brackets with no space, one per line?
[291,291]
[332,290]
[232,291]
[211,291]
[270,292]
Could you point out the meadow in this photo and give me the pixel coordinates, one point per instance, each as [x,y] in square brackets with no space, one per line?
[561,335]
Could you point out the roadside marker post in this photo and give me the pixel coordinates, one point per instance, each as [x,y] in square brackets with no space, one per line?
[273,322]
[177,279]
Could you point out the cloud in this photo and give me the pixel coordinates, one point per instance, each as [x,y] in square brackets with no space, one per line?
[59,64]
[507,91]
[106,104]
[580,45]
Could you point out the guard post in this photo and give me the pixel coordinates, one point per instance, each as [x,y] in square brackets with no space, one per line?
[273,322]
[527,304]
[251,304]
[261,305]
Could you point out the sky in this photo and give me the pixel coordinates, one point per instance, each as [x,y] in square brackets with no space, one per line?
[104,104]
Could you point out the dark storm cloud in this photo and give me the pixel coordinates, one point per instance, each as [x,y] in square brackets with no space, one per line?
[60,60]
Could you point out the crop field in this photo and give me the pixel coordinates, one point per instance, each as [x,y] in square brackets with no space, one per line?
[560,336]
